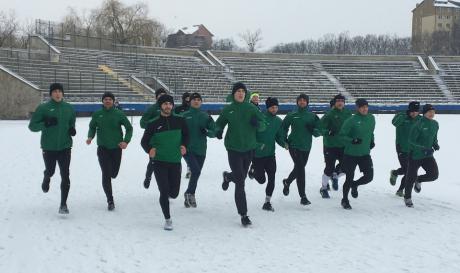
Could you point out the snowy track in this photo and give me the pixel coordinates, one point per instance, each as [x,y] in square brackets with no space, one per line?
[379,235]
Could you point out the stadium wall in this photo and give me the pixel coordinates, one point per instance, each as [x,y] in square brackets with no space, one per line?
[215,108]
[18,97]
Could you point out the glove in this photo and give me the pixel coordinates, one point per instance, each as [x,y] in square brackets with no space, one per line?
[254,122]
[372,145]
[72,131]
[428,152]
[219,134]
[50,121]
[436,147]
[356,141]
[204,131]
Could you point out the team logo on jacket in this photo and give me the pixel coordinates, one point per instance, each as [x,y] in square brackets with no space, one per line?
[159,127]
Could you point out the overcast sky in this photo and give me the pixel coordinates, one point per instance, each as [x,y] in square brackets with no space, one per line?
[279,20]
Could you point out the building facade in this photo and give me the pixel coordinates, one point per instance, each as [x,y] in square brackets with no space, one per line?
[431,17]
[197,36]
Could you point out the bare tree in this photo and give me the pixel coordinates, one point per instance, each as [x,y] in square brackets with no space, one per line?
[129,23]
[344,44]
[252,39]
[224,44]
[26,29]
[9,26]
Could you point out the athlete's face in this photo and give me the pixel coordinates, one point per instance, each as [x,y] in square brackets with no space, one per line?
[108,102]
[302,103]
[414,114]
[363,110]
[239,95]
[339,104]
[430,114]
[273,109]
[166,108]
[57,95]
[255,99]
[195,103]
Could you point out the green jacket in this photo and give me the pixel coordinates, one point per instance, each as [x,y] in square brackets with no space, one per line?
[150,115]
[54,138]
[273,133]
[422,137]
[197,121]
[333,121]
[107,123]
[301,137]
[166,135]
[404,124]
[358,126]
[241,134]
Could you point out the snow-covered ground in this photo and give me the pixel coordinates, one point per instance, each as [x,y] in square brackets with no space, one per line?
[379,235]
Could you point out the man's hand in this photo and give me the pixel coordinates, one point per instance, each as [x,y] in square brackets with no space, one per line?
[72,131]
[152,152]
[88,141]
[123,145]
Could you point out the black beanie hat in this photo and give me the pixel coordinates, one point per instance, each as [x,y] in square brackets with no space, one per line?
[239,85]
[269,102]
[303,96]
[339,97]
[414,106]
[361,102]
[165,98]
[427,107]
[160,91]
[195,96]
[55,86]
[185,95]
[108,94]
[332,103]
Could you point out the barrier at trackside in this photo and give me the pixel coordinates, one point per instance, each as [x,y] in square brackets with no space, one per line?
[215,108]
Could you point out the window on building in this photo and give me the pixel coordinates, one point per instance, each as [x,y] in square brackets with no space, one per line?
[439,25]
[447,17]
[447,25]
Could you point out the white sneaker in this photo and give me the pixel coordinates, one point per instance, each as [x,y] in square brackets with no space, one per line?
[168,224]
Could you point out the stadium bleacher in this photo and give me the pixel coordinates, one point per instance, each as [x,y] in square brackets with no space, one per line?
[380,80]
[450,74]
[386,81]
